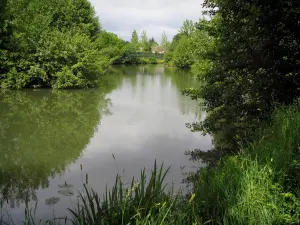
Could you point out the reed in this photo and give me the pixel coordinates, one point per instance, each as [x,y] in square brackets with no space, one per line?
[124,204]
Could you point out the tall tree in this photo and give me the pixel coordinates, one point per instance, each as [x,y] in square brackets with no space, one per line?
[134,38]
[164,41]
[183,56]
[144,41]
[135,41]
[187,28]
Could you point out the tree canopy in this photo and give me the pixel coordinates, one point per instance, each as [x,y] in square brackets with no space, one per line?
[188,44]
[135,40]
[50,44]
[165,44]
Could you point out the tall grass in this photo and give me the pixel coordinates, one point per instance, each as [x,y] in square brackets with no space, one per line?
[143,201]
[261,184]
[146,201]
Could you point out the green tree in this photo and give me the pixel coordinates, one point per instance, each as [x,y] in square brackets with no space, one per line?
[183,54]
[180,49]
[50,44]
[164,41]
[194,50]
[144,42]
[2,18]
[135,40]
[111,47]
[170,54]
[187,28]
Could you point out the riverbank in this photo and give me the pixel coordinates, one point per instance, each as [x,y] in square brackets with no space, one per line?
[261,184]
[139,61]
[258,186]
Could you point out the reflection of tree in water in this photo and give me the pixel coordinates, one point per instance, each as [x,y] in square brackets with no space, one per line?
[151,69]
[124,70]
[182,79]
[41,133]
[141,76]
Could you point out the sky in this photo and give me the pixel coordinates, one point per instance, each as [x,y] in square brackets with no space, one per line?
[155,16]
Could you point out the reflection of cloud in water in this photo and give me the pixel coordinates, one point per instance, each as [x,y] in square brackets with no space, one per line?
[147,123]
[134,155]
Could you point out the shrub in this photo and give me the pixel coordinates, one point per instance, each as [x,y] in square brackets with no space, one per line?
[152,60]
[168,57]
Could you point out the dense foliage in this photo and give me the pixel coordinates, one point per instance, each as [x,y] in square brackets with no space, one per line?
[57,44]
[252,65]
[141,43]
[191,44]
[112,47]
[260,185]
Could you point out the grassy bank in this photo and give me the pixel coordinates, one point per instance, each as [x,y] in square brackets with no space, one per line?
[258,186]
[261,184]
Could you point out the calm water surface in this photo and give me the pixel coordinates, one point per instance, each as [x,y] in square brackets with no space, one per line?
[47,136]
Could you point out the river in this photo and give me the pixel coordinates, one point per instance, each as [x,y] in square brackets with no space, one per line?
[52,141]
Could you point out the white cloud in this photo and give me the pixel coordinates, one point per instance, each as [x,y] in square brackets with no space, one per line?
[155,16]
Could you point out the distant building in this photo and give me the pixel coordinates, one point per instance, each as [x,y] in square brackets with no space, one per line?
[158,49]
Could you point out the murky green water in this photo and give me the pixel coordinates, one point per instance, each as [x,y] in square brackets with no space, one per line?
[46,136]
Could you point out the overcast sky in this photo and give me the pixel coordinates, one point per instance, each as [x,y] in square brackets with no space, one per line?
[154,16]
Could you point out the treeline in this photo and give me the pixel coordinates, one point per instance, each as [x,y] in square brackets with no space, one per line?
[139,47]
[58,44]
[144,44]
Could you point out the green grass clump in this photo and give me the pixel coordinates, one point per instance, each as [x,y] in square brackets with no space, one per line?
[239,191]
[261,184]
[142,202]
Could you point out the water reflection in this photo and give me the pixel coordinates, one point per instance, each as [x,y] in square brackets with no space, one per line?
[42,132]
[146,80]
[138,114]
